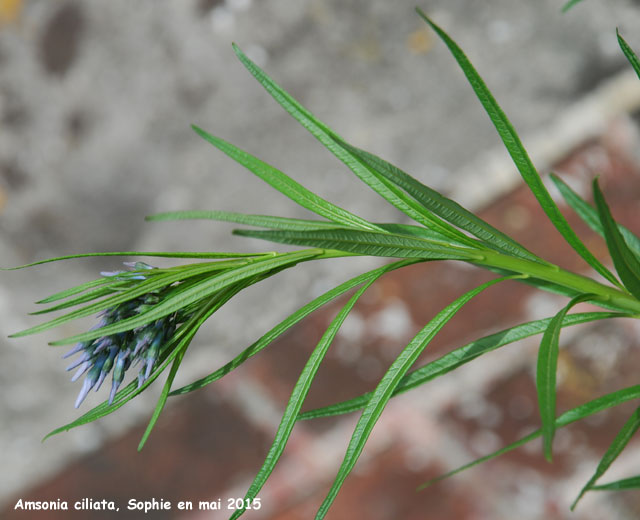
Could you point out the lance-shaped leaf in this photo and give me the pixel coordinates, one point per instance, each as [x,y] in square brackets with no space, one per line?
[120,284]
[88,296]
[403,246]
[264,221]
[626,263]
[286,185]
[197,292]
[387,386]
[442,206]
[161,254]
[619,485]
[575,414]
[172,303]
[615,448]
[569,5]
[207,311]
[289,322]
[458,357]
[628,52]
[589,214]
[370,243]
[546,374]
[295,224]
[518,153]
[72,291]
[298,396]
[153,283]
[334,143]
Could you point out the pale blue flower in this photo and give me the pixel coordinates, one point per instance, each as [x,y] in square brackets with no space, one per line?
[116,353]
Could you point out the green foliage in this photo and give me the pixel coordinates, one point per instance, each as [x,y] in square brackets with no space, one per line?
[444,230]
[628,52]
[615,448]
[590,215]
[627,264]
[518,153]
[569,5]
[458,358]
[575,414]
[387,385]
[619,485]
[299,394]
[546,374]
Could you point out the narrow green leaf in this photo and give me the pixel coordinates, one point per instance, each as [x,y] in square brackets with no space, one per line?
[142,253]
[546,374]
[428,234]
[265,221]
[88,296]
[334,143]
[72,291]
[518,153]
[369,243]
[125,394]
[182,347]
[576,414]
[615,448]
[155,282]
[287,323]
[387,386]
[569,5]
[298,396]
[122,397]
[626,263]
[287,186]
[619,485]
[457,358]
[122,282]
[294,224]
[590,215]
[193,294]
[445,208]
[163,397]
[628,52]
[520,442]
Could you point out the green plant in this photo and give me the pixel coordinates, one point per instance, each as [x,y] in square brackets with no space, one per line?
[150,315]
[569,5]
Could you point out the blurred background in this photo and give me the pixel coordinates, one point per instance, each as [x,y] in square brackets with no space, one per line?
[96,99]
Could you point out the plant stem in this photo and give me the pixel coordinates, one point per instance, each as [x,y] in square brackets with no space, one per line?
[543,271]
[553,273]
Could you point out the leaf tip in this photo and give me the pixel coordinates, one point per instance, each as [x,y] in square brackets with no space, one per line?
[241,55]
[549,457]
[53,432]
[422,15]
[575,502]
[15,268]
[428,483]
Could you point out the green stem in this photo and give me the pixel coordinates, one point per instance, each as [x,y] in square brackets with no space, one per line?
[553,273]
[542,271]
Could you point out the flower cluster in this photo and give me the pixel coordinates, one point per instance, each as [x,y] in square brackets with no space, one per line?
[118,352]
